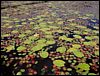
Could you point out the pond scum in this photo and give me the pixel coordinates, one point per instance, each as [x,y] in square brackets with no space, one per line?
[45,44]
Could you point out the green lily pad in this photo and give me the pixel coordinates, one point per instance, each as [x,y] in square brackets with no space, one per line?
[44,54]
[59,31]
[91,74]
[15,31]
[38,47]
[49,36]
[22,70]
[9,48]
[76,46]
[22,35]
[20,48]
[88,38]
[41,41]
[5,35]
[65,38]
[77,36]
[71,49]
[96,53]
[61,49]
[78,53]
[50,42]
[18,25]
[59,63]
[19,73]
[77,32]
[91,43]
[82,68]
[28,31]
[27,41]
[32,38]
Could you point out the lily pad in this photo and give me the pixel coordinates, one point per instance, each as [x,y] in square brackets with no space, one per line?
[19,73]
[20,48]
[5,35]
[91,43]
[76,46]
[61,49]
[88,38]
[91,74]
[96,53]
[50,42]
[71,49]
[78,53]
[65,38]
[41,41]
[28,31]
[38,47]
[22,35]
[44,54]
[27,41]
[77,36]
[59,63]
[82,68]
[15,31]
[9,48]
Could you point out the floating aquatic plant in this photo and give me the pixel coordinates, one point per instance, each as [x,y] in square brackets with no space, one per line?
[59,63]
[15,31]
[50,42]
[9,48]
[88,38]
[27,41]
[76,45]
[96,53]
[41,41]
[22,35]
[61,49]
[77,36]
[65,38]
[91,43]
[78,53]
[44,54]
[21,48]
[82,68]
[91,74]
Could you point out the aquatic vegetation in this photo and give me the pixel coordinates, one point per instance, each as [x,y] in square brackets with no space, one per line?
[21,48]
[82,66]
[59,63]
[65,38]
[91,74]
[61,49]
[44,54]
[49,42]
[77,36]
[9,48]
[78,53]
[47,39]
[76,46]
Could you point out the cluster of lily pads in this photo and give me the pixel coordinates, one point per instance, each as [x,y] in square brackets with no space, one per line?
[39,45]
